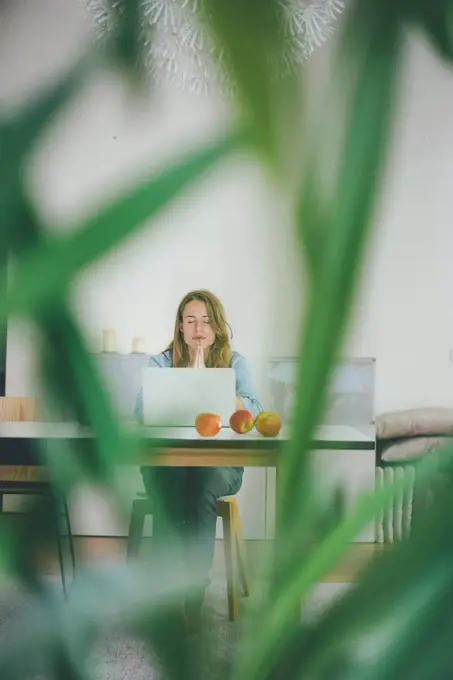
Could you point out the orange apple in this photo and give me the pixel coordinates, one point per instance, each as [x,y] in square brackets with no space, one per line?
[268,423]
[208,424]
[242,421]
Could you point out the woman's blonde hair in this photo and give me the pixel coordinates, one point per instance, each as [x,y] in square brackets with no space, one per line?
[220,352]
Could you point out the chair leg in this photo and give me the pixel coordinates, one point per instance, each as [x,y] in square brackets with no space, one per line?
[61,559]
[136,524]
[230,561]
[70,536]
[241,552]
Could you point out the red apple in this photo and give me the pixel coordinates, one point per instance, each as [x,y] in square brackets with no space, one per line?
[208,424]
[242,421]
[268,423]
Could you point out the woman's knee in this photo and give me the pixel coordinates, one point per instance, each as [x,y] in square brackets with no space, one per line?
[214,483]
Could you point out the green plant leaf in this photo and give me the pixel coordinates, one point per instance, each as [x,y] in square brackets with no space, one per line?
[19,131]
[76,386]
[358,181]
[20,128]
[126,40]
[314,220]
[282,615]
[335,270]
[70,369]
[401,604]
[249,43]
[334,278]
[47,270]
[436,20]
[76,382]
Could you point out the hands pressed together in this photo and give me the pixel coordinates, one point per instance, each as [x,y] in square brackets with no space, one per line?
[198,361]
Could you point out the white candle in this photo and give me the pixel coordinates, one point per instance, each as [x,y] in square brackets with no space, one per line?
[138,345]
[109,340]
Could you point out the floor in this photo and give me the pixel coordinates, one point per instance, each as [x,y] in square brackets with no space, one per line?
[357,556]
[115,655]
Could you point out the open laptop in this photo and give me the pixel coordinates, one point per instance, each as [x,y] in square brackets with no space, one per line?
[173,397]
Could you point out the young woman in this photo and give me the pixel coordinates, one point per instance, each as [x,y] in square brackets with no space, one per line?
[188,496]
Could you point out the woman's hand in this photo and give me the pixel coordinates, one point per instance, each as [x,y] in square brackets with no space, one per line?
[198,361]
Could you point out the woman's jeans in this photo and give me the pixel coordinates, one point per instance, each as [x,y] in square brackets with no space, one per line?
[185,512]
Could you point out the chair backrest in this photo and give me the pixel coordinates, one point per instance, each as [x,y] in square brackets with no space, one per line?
[18,409]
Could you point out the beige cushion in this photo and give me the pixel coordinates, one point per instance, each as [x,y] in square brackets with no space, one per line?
[413,448]
[415,422]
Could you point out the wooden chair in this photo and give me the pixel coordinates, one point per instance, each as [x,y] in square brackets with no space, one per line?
[23,480]
[235,552]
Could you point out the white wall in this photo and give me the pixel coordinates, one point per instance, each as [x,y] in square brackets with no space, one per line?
[405,312]
[230,233]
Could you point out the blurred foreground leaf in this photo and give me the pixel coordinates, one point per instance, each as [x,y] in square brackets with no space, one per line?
[395,621]
[44,273]
[283,604]
[436,20]
[20,129]
[70,370]
[126,38]
[336,269]
[334,273]
[251,45]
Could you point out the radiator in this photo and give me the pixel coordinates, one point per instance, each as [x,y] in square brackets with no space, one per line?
[394,525]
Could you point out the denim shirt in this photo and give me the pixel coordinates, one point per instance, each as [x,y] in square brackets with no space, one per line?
[244,383]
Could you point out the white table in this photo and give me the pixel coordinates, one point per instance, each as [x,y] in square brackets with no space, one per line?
[343,455]
[183,445]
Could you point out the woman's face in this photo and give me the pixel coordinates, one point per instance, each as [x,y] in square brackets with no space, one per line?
[196,325]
